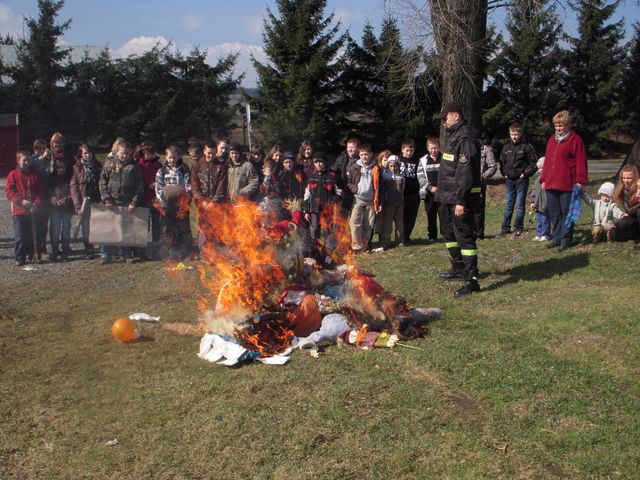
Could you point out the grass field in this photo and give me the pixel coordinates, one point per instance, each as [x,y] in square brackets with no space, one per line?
[535,377]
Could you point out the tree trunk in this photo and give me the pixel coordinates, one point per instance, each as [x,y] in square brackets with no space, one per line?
[460,29]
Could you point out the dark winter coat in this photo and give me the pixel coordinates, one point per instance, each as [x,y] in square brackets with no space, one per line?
[459,175]
[518,159]
[59,193]
[81,188]
[209,181]
[291,184]
[121,183]
[343,163]
[320,191]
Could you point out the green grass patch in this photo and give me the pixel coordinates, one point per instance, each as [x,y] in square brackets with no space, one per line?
[535,377]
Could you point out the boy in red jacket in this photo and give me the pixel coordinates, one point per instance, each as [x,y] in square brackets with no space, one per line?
[24,189]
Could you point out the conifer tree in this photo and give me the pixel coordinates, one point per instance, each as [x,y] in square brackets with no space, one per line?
[40,67]
[526,74]
[374,102]
[631,83]
[298,83]
[595,74]
[361,87]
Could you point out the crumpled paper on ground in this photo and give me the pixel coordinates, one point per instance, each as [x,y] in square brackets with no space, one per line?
[217,349]
[145,317]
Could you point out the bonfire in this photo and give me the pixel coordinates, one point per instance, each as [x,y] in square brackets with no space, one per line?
[270,286]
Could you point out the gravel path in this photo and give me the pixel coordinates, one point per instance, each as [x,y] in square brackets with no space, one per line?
[12,274]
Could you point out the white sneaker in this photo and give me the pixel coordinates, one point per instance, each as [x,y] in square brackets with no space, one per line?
[536,238]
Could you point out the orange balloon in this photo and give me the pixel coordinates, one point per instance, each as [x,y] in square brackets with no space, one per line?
[123,330]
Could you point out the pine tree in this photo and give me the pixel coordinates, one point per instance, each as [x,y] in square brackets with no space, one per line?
[298,85]
[525,76]
[374,101]
[631,83]
[39,70]
[595,74]
[361,88]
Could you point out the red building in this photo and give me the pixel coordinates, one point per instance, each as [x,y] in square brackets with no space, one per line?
[9,141]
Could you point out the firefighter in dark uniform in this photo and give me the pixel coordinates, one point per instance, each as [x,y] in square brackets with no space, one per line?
[459,187]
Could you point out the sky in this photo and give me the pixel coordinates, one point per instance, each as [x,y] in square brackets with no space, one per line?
[220,26]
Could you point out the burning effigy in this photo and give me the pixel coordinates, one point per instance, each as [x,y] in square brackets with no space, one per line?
[271,287]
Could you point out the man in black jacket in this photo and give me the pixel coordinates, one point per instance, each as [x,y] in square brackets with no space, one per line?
[517,164]
[342,166]
[459,186]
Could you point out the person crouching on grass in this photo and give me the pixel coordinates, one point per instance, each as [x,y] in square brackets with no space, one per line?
[364,183]
[173,184]
[24,189]
[605,212]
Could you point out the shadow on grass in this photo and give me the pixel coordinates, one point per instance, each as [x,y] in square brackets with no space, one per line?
[536,271]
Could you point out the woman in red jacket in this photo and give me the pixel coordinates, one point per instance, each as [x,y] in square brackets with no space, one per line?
[565,165]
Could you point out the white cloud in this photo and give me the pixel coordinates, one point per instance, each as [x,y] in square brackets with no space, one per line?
[192,21]
[10,22]
[243,64]
[253,25]
[139,45]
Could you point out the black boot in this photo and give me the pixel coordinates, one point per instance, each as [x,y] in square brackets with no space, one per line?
[453,274]
[468,288]
[457,266]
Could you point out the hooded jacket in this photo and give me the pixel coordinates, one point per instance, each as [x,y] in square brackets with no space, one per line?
[361,192]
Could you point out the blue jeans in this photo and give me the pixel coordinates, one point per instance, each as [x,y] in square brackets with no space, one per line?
[516,195]
[542,224]
[60,224]
[558,207]
[108,251]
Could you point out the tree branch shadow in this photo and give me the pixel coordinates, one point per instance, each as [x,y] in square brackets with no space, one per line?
[536,271]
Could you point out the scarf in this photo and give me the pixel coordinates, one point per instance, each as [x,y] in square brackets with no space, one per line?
[563,137]
[89,171]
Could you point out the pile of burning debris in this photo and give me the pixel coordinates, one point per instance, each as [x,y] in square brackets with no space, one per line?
[271,288]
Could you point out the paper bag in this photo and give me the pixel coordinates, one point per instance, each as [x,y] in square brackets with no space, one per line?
[118,227]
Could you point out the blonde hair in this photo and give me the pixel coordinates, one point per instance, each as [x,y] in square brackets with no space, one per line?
[619,198]
[563,117]
[55,138]
[119,141]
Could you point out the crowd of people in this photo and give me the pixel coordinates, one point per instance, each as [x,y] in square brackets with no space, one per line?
[378,194]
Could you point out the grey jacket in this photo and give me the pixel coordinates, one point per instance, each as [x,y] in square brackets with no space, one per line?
[243,179]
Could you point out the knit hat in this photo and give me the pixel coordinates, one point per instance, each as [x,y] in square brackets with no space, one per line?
[540,162]
[234,147]
[392,159]
[288,156]
[607,188]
